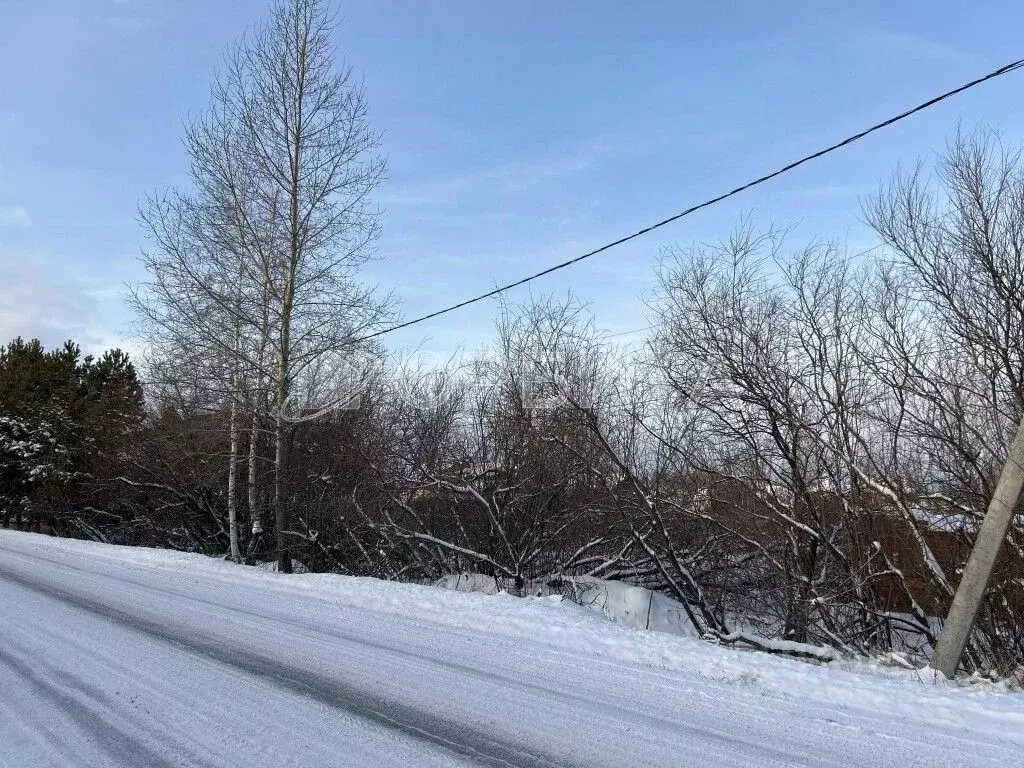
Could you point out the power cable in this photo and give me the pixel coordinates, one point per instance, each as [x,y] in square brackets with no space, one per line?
[761,180]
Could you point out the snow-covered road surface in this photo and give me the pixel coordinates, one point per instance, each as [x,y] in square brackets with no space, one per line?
[115,656]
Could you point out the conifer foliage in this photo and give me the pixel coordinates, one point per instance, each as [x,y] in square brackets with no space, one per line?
[62,416]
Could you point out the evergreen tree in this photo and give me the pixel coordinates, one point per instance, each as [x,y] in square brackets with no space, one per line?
[65,421]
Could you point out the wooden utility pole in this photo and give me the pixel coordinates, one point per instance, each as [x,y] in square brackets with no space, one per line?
[978,573]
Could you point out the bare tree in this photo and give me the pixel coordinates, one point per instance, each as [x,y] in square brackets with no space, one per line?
[952,332]
[280,221]
[491,472]
[191,315]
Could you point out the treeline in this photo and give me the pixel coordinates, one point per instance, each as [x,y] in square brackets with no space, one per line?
[802,450]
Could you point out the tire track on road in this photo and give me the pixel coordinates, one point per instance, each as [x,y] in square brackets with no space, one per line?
[468,742]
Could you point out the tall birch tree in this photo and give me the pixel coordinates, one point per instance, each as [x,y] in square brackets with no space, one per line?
[280,220]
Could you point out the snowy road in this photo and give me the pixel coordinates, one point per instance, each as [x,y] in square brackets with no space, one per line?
[127,657]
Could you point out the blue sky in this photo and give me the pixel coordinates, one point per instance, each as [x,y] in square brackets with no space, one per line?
[518,134]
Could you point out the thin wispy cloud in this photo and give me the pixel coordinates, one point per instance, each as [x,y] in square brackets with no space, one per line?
[15,216]
[38,301]
[512,176]
[134,16]
[907,45]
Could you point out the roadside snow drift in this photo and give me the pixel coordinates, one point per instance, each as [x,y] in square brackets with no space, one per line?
[117,656]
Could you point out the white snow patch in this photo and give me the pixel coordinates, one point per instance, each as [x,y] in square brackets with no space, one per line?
[618,601]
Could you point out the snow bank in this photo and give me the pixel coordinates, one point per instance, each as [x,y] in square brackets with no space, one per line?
[626,604]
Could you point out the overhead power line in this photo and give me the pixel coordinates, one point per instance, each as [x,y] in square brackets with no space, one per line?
[712,201]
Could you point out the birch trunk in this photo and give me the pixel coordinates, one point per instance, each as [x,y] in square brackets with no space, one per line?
[252,478]
[236,554]
[284,559]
